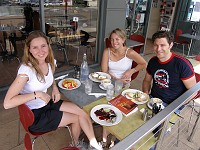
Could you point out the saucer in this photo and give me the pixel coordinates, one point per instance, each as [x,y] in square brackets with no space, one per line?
[102,87]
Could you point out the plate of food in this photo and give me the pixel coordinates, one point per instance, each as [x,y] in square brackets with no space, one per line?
[99,76]
[69,84]
[106,115]
[157,101]
[136,96]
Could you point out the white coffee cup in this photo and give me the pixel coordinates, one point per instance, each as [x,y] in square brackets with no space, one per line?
[105,83]
[157,101]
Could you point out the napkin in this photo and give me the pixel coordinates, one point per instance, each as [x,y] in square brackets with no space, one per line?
[61,77]
[97,94]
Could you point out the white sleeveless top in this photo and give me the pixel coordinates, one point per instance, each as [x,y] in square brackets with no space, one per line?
[34,85]
[117,68]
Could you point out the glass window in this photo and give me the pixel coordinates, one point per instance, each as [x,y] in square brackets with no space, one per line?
[63,18]
[194,11]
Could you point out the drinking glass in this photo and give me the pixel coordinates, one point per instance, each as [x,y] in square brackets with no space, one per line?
[110,92]
[88,86]
[118,87]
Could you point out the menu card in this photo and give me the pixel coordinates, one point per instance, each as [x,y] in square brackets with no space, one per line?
[125,105]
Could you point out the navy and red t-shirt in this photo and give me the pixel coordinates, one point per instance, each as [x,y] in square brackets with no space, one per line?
[167,77]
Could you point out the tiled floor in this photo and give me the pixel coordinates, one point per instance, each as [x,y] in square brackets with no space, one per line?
[9,123]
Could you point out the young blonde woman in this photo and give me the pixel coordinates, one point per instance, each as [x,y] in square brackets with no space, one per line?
[117,61]
[34,77]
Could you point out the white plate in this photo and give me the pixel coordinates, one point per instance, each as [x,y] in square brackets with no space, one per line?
[61,81]
[134,91]
[100,73]
[102,87]
[103,122]
[149,104]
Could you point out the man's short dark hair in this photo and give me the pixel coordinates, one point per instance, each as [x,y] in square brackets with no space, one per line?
[163,34]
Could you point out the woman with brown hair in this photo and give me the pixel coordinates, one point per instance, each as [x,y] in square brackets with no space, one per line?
[34,77]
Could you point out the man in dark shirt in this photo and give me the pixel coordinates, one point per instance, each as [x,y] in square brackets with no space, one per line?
[172,75]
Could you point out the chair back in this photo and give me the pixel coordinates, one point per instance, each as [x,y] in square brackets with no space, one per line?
[197,57]
[26,116]
[197,77]
[84,38]
[138,38]
[27,142]
[178,33]
[197,80]
[108,43]
[74,25]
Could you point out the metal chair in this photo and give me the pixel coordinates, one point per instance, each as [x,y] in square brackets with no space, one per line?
[180,42]
[84,41]
[138,38]
[26,118]
[195,104]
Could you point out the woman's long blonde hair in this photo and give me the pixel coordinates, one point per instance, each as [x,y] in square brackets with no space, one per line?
[121,33]
[33,63]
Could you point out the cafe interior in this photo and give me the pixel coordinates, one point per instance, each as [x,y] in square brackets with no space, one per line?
[75,27]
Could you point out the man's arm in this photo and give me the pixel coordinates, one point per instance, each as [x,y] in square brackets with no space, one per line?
[146,85]
[189,82]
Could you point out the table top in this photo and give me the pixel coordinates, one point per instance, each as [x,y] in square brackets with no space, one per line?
[63,36]
[132,43]
[195,64]
[62,26]
[88,29]
[130,123]
[10,28]
[190,36]
[78,96]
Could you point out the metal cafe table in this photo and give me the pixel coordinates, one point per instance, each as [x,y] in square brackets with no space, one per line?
[122,129]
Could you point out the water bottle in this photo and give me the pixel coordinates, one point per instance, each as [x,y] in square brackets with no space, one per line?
[84,69]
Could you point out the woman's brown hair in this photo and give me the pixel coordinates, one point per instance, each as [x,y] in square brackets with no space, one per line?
[33,63]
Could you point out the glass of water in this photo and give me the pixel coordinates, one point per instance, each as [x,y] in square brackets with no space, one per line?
[88,86]
[109,92]
[118,87]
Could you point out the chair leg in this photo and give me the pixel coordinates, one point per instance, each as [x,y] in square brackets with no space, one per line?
[194,128]
[27,142]
[183,49]
[191,116]
[70,133]
[78,49]
[34,140]
[179,122]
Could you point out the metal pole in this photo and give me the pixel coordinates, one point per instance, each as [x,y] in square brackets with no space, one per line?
[42,19]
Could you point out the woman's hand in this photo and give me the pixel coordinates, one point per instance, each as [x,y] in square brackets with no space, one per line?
[43,96]
[127,75]
[55,94]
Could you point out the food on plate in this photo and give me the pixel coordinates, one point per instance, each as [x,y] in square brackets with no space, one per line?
[106,82]
[136,96]
[98,76]
[106,114]
[69,84]
[156,100]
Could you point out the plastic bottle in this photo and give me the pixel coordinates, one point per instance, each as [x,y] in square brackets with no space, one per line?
[84,69]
